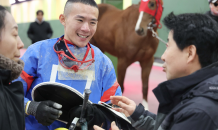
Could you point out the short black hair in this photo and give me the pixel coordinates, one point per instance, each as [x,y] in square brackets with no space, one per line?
[2,18]
[87,2]
[39,11]
[210,1]
[198,30]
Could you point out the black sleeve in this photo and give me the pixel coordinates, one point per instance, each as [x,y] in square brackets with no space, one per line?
[194,119]
[30,32]
[142,119]
[141,111]
[49,31]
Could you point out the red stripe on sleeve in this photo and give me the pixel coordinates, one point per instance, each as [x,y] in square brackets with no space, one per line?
[110,92]
[27,78]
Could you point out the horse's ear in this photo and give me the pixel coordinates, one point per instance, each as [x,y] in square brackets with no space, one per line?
[161,1]
[139,3]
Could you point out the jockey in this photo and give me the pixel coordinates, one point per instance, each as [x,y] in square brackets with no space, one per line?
[71,60]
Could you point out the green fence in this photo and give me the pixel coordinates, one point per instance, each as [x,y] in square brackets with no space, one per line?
[116,3]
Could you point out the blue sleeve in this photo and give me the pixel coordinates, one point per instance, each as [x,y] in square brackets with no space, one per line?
[110,84]
[118,92]
[30,59]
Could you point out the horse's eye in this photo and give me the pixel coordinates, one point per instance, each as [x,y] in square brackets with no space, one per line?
[152,4]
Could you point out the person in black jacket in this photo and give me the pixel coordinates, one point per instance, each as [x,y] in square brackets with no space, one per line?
[40,29]
[188,100]
[11,94]
[213,13]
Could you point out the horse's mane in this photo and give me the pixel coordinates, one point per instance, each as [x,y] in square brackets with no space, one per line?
[161,1]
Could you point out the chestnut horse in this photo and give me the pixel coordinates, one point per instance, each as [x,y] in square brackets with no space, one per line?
[118,34]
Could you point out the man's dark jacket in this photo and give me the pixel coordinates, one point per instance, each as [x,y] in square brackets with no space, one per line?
[12,115]
[186,103]
[38,32]
[212,16]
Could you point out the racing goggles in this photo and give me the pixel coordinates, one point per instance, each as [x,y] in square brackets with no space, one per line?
[68,60]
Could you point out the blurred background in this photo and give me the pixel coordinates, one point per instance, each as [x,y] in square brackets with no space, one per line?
[24,12]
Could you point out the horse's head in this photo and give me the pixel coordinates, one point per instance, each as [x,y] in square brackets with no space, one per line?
[150,12]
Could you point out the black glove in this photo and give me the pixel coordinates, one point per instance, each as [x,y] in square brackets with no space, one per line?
[45,112]
[93,116]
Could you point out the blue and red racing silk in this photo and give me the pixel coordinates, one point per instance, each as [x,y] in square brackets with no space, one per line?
[42,65]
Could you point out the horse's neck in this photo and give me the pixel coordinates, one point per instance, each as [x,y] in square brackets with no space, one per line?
[131,13]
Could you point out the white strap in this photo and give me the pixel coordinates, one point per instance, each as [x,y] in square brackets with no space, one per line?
[75,120]
[27,106]
[73,123]
[88,84]
[89,81]
[54,73]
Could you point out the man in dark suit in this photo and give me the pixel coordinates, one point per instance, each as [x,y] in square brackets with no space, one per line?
[40,29]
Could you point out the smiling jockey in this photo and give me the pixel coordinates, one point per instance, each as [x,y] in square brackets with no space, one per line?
[69,60]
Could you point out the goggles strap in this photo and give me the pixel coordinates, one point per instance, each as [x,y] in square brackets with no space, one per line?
[62,47]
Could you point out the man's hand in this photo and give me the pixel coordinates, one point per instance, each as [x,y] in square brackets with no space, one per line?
[127,106]
[113,127]
[45,112]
